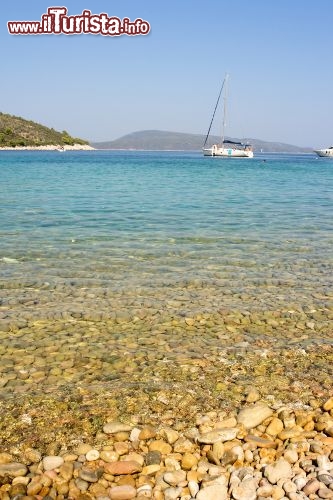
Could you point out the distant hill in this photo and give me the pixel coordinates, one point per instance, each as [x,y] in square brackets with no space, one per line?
[16,131]
[177,141]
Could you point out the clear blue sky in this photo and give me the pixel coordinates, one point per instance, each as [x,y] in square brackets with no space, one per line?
[278,54]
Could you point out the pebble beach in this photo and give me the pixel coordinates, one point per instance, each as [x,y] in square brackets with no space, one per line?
[160,365]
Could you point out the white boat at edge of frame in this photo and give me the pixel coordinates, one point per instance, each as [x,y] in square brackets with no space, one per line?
[227,148]
[324,153]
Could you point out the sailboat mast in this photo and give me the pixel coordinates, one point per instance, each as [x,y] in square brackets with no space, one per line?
[216,105]
[225,106]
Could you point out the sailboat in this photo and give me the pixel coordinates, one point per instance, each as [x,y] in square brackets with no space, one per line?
[227,148]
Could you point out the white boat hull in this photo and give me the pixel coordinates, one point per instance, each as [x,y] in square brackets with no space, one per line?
[228,152]
[327,153]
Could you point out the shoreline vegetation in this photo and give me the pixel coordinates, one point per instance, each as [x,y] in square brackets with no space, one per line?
[50,147]
[17,133]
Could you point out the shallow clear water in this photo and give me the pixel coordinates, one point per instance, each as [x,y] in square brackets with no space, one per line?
[129,266]
[134,216]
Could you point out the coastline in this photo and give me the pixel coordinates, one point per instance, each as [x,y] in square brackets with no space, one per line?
[87,448]
[254,415]
[75,147]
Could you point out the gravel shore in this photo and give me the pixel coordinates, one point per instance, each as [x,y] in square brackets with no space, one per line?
[140,407]
[195,391]
[257,452]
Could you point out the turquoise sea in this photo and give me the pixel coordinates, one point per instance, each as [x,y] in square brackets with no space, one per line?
[139,218]
[156,256]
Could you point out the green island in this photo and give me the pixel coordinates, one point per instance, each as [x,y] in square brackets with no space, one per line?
[18,132]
